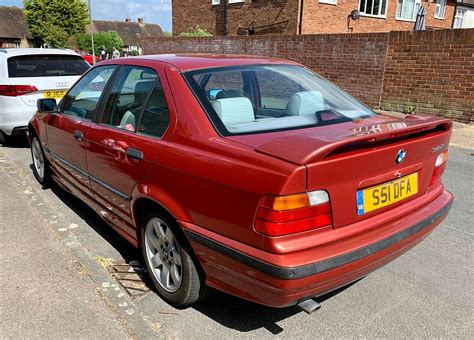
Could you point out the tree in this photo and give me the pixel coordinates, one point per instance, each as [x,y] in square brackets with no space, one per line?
[54,21]
[109,39]
[196,31]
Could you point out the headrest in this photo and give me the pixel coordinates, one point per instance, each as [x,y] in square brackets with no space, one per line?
[305,103]
[234,110]
[229,94]
[127,119]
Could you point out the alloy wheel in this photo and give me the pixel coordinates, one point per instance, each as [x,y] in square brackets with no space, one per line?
[38,158]
[163,254]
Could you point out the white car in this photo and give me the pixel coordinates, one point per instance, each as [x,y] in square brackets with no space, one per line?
[27,74]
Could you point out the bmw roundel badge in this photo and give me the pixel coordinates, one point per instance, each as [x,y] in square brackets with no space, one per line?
[401,156]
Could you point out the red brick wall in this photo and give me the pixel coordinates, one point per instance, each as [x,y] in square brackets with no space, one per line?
[325,18]
[354,62]
[188,14]
[430,70]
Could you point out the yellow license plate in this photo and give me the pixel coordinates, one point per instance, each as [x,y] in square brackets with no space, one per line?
[387,193]
[54,94]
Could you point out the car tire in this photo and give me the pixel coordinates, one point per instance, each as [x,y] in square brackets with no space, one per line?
[41,169]
[169,262]
[3,139]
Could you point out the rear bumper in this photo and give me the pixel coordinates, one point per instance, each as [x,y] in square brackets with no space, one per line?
[259,276]
[14,115]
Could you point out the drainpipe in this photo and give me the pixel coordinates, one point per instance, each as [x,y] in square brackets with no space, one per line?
[226,30]
[300,25]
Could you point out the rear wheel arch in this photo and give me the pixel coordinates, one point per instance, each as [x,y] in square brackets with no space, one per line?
[143,206]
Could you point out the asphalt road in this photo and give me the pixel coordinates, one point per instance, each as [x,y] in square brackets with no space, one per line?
[428,292]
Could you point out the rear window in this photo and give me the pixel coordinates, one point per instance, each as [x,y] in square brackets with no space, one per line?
[46,66]
[265,98]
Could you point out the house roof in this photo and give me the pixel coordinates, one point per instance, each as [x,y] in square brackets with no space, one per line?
[130,32]
[12,23]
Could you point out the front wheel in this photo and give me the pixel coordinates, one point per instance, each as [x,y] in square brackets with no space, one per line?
[3,138]
[169,263]
[40,163]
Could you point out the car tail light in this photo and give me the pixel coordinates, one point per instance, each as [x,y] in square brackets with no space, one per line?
[283,215]
[440,165]
[16,90]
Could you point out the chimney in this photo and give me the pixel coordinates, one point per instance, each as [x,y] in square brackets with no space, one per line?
[128,20]
[140,20]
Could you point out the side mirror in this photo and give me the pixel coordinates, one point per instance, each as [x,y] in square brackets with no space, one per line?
[47,105]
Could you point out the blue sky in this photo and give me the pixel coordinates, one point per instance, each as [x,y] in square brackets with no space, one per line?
[154,11]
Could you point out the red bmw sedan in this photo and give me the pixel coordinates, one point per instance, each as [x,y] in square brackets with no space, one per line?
[254,176]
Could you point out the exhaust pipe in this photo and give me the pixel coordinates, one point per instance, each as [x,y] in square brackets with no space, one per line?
[309,306]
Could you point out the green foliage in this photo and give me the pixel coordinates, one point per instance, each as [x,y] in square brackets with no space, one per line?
[54,21]
[109,39]
[410,109]
[133,53]
[167,34]
[196,31]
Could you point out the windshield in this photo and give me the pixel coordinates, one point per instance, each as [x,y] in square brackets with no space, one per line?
[264,98]
[46,66]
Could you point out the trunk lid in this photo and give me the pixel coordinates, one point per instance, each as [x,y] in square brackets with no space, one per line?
[350,157]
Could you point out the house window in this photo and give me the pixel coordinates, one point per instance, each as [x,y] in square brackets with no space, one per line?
[407,9]
[235,1]
[440,9]
[373,8]
[459,18]
[330,2]
[216,2]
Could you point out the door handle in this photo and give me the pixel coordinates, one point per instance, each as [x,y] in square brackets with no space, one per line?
[134,153]
[78,135]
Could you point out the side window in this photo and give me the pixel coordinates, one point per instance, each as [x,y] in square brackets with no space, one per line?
[127,97]
[83,98]
[156,117]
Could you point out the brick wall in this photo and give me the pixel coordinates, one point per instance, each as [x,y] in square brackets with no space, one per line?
[354,62]
[430,70]
[188,14]
[326,18]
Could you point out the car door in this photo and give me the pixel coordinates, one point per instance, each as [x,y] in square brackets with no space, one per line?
[67,130]
[120,153]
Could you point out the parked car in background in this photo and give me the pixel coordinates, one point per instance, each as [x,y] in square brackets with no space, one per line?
[27,74]
[251,175]
[87,56]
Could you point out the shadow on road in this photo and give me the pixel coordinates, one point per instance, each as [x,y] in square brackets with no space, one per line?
[93,220]
[245,316]
[227,310]
[17,142]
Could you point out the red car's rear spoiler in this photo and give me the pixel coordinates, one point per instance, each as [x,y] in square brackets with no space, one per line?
[315,146]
